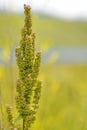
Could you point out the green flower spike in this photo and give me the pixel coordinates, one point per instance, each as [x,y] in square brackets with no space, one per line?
[28,61]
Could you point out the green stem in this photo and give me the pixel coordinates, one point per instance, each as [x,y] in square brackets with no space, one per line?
[23,124]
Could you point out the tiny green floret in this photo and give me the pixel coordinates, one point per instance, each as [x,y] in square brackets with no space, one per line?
[10,117]
[28,61]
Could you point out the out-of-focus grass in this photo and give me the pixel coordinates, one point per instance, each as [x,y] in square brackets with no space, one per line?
[64,98]
[10,26]
[63,103]
[49,31]
[7,83]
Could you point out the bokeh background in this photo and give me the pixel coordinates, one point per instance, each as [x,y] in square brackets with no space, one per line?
[61,35]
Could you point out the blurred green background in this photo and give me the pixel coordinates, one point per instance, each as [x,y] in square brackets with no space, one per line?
[63,104]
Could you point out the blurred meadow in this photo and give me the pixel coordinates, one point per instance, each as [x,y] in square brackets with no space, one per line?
[63,104]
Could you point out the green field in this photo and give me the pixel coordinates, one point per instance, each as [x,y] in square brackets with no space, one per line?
[63,104]
[49,32]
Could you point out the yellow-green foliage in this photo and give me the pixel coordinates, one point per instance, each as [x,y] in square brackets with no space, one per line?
[28,85]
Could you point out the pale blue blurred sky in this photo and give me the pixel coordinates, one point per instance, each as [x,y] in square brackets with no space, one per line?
[63,8]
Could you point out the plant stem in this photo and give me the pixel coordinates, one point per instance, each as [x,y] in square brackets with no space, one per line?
[23,124]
